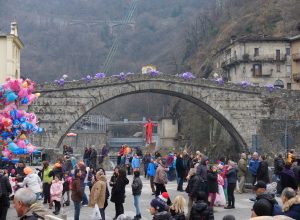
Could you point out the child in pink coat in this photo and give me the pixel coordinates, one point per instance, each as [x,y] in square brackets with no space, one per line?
[56,193]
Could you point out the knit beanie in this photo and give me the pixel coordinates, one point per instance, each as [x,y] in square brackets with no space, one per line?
[158,205]
[164,197]
[27,170]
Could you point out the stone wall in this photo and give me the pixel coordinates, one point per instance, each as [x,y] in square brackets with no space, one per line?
[239,110]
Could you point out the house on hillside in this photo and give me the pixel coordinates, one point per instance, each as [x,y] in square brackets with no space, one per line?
[260,60]
[10,50]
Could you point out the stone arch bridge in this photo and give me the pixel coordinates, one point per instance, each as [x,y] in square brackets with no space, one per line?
[240,110]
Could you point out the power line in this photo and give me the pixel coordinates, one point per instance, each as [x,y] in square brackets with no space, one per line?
[115,45]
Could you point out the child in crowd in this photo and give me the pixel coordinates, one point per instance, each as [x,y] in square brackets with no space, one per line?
[67,185]
[177,209]
[137,186]
[212,183]
[56,193]
[220,198]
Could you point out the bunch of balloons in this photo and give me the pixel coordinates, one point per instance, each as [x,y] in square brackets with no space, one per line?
[15,123]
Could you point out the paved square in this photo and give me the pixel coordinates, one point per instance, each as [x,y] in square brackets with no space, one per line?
[241,212]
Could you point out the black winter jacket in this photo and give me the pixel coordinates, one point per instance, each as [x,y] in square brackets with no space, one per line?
[201,211]
[5,189]
[263,171]
[195,184]
[231,175]
[136,186]
[177,216]
[180,167]
[278,165]
[212,182]
[118,190]
[163,216]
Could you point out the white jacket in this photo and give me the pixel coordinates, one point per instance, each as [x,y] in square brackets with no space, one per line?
[33,182]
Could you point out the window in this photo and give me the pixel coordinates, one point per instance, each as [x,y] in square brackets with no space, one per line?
[257,70]
[277,67]
[289,85]
[288,70]
[288,51]
[256,52]
[279,83]
[278,55]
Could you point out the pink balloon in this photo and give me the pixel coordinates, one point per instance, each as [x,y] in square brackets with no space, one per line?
[31,118]
[23,92]
[14,85]
[20,113]
[21,143]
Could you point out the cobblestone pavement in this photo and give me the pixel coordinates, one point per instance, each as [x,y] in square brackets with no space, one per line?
[241,212]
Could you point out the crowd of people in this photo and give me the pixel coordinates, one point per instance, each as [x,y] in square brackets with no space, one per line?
[208,185]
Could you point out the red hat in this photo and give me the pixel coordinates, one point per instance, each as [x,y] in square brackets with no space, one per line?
[164,197]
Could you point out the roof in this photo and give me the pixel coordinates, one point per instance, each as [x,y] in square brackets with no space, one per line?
[255,38]
[17,40]
[297,37]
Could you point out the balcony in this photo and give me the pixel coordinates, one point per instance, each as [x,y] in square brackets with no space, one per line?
[246,58]
[296,77]
[296,57]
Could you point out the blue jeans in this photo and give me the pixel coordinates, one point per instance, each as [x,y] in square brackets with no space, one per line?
[86,162]
[85,200]
[77,210]
[180,183]
[170,176]
[137,204]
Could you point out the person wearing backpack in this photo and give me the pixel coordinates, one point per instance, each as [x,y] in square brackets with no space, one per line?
[5,191]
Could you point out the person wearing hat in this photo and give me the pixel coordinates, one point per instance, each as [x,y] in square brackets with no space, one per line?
[57,170]
[5,189]
[159,211]
[32,181]
[160,178]
[260,189]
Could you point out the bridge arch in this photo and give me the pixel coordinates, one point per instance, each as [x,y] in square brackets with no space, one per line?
[59,108]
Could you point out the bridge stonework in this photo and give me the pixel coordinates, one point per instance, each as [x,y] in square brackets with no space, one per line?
[240,110]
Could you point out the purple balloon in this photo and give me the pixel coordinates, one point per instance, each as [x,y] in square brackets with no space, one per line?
[99,75]
[87,79]
[60,82]
[153,73]
[245,84]
[187,76]
[122,76]
[220,81]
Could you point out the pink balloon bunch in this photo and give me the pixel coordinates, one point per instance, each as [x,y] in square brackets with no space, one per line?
[15,122]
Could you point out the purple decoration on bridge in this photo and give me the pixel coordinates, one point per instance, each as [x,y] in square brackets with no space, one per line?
[60,82]
[245,84]
[270,87]
[187,76]
[87,79]
[99,76]
[153,73]
[122,76]
[220,81]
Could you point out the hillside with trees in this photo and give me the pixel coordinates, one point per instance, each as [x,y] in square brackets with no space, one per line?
[75,37]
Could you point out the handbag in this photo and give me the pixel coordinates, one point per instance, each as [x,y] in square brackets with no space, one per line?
[96,213]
